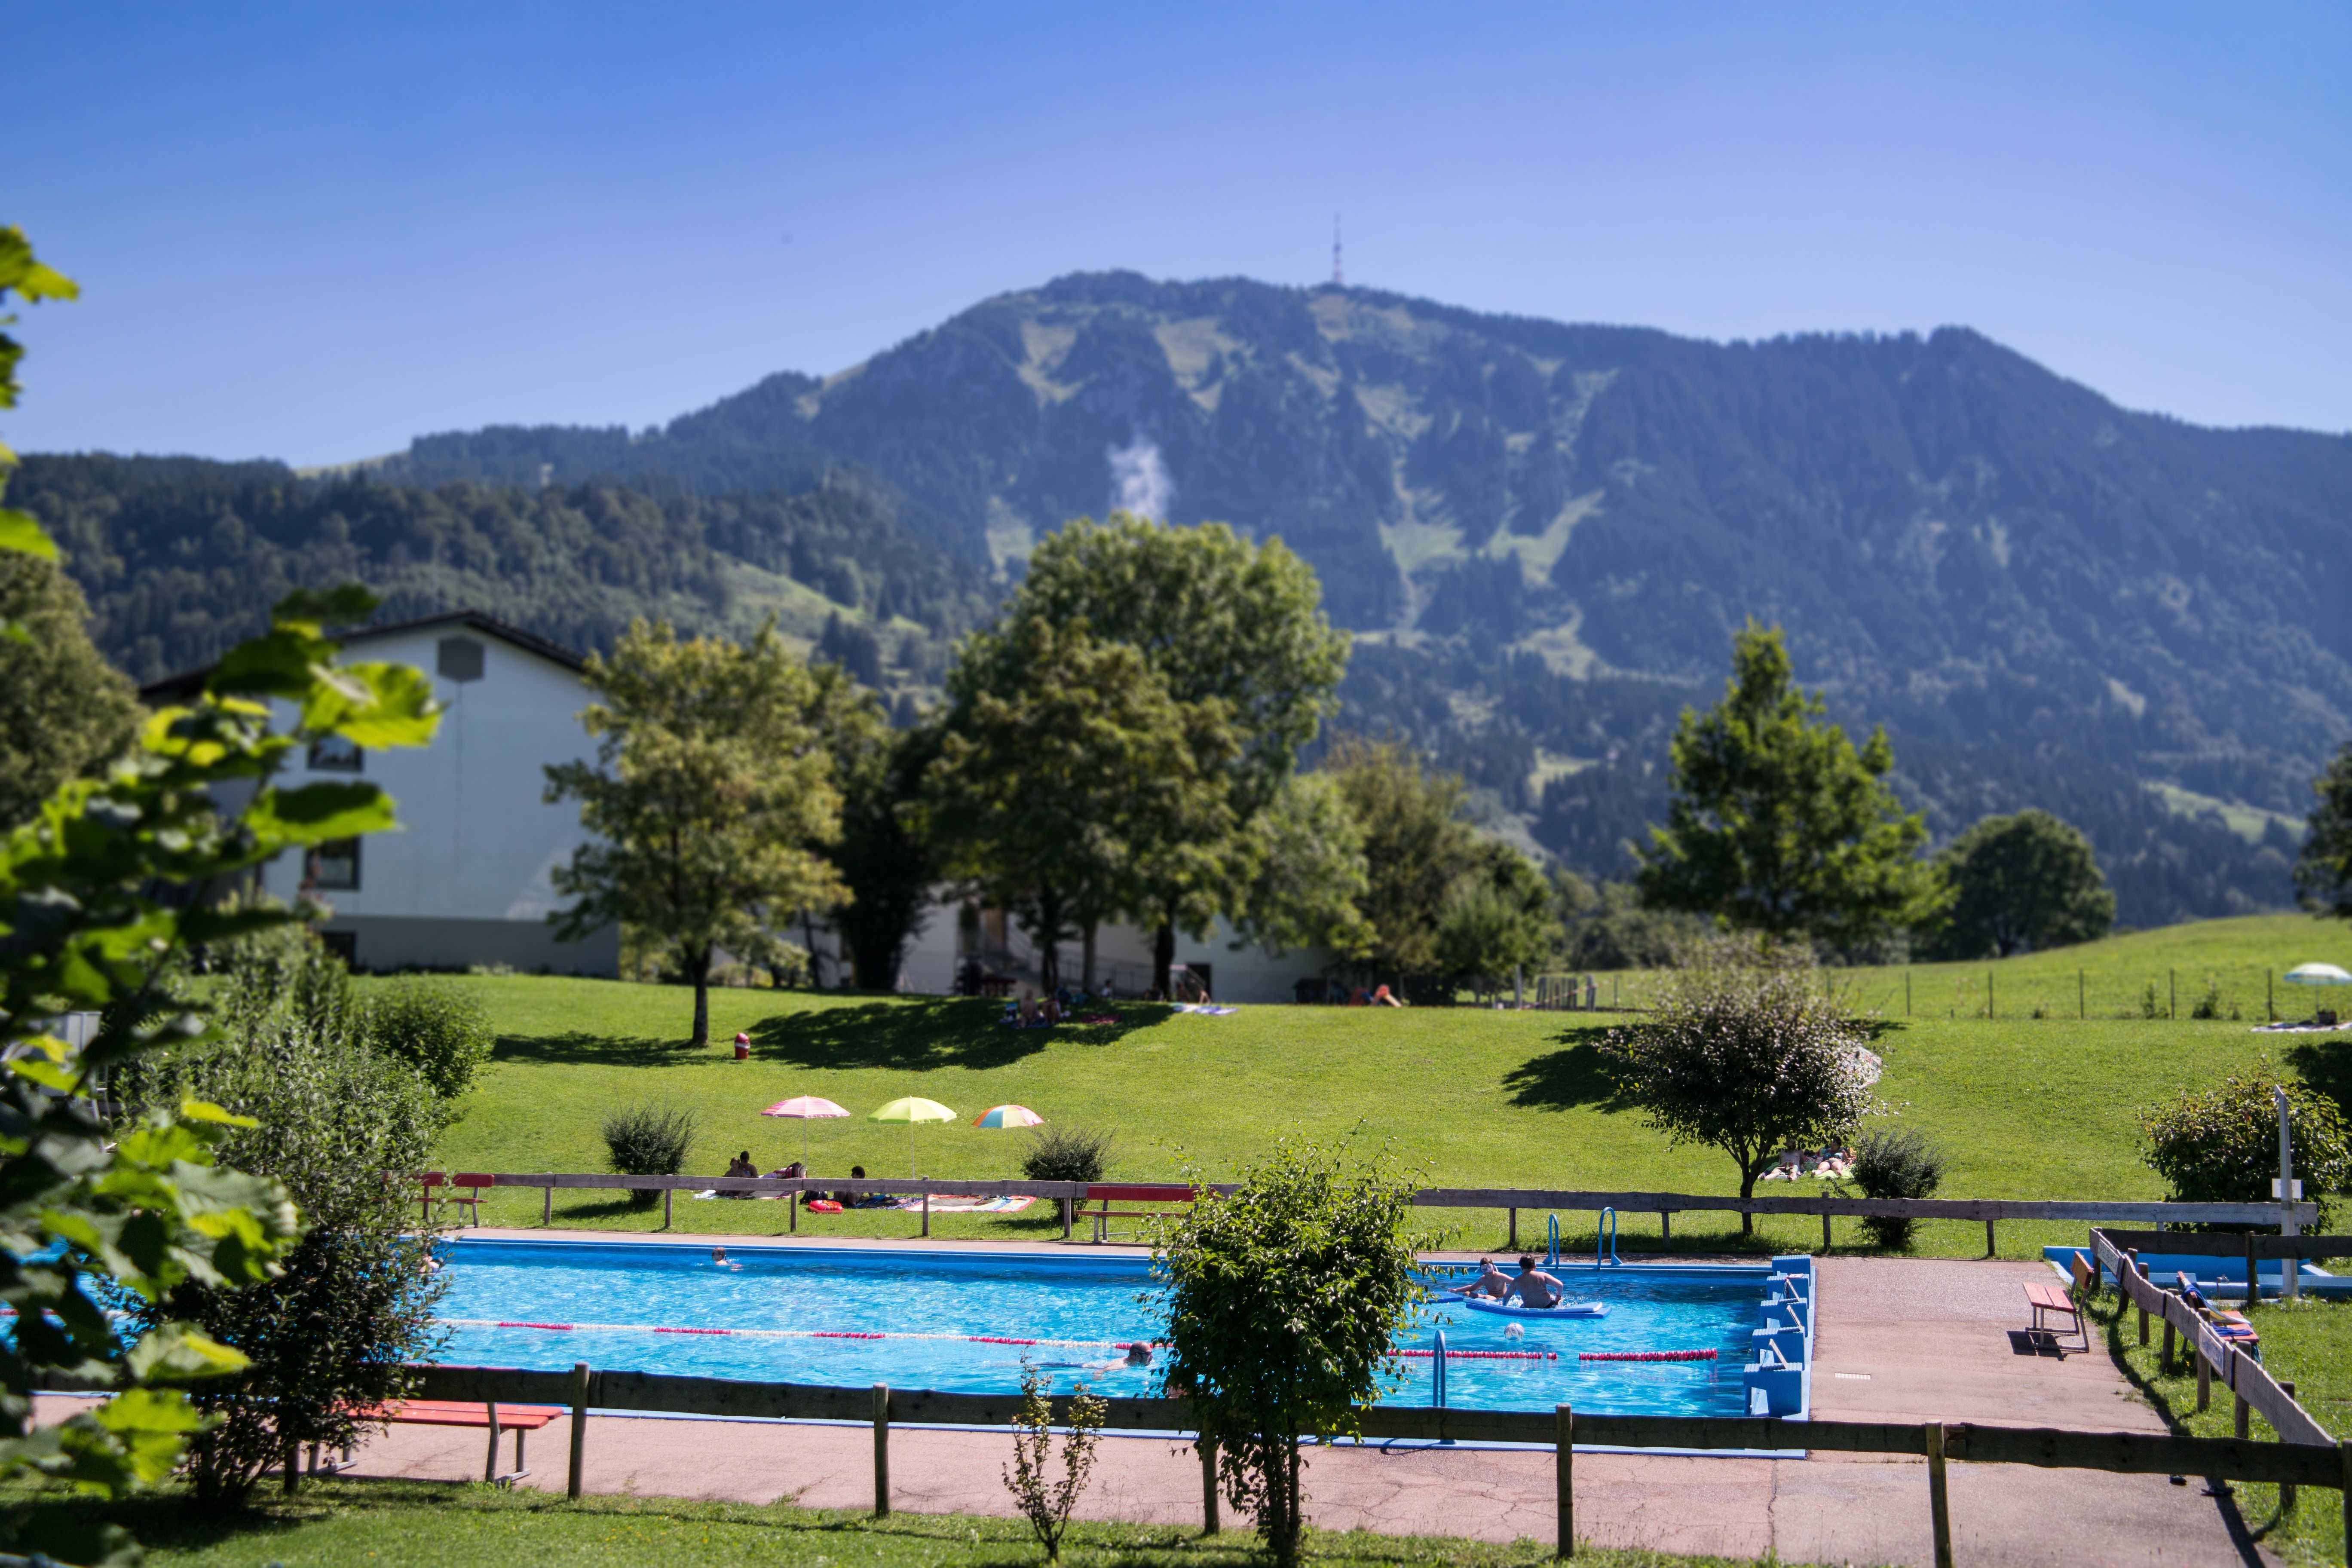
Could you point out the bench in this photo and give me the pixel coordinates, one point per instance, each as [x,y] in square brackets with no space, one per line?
[2050,1302]
[473,1182]
[1108,1193]
[499,1418]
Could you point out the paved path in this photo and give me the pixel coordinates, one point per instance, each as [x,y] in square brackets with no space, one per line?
[1899,1339]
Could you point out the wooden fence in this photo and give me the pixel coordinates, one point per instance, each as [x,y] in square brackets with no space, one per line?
[2287,1464]
[1665,1206]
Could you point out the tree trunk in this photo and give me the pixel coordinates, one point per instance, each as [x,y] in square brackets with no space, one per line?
[1049,941]
[1089,961]
[1163,956]
[699,968]
[1746,1190]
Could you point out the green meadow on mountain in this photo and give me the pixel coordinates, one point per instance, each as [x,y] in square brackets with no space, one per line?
[1541,534]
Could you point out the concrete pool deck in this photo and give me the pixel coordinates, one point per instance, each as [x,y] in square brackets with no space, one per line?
[1899,1339]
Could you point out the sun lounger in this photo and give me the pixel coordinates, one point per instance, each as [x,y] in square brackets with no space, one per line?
[2054,1309]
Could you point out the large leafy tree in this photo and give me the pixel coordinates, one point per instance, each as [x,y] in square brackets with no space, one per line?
[710,799]
[1745,1052]
[1500,919]
[1216,619]
[1067,774]
[1416,848]
[93,910]
[64,710]
[881,857]
[2027,881]
[1311,873]
[2324,869]
[1779,824]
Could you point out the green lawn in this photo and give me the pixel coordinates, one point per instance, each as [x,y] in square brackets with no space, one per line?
[2307,1344]
[2026,1107]
[336,1524]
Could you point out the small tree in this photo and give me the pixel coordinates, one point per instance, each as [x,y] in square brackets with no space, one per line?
[1777,824]
[649,1141]
[64,710]
[1311,873]
[2219,1145]
[2324,869]
[1046,1504]
[2027,881]
[1281,1301]
[1890,1163]
[710,798]
[1747,1054]
[1067,1154]
[1498,921]
[1416,844]
[442,1033]
[881,856]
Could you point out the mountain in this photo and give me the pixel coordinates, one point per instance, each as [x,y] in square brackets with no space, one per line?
[1544,535]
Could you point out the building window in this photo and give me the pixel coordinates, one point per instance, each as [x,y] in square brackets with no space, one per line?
[335,866]
[460,660]
[334,754]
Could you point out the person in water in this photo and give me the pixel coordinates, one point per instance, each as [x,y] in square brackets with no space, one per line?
[1138,1355]
[1491,1281]
[1534,1288]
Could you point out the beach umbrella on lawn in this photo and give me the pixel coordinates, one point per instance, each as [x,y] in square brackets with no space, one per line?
[808,1108]
[911,1109]
[2316,975]
[1009,1116]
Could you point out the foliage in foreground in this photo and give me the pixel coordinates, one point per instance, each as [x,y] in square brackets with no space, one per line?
[1044,1502]
[1746,1054]
[1281,1302]
[2219,1145]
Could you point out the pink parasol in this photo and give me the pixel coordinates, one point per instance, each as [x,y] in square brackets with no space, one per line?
[807,1108]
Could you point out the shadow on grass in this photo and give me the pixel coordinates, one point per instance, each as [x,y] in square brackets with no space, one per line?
[1564,1080]
[2326,1065]
[2109,1310]
[930,1032]
[580,1048]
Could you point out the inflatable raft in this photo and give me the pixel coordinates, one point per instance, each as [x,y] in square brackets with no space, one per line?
[1509,1310]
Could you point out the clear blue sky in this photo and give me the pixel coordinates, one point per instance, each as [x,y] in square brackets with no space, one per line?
[313,231]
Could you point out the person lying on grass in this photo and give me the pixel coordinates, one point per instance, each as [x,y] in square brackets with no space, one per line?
[1534,1288]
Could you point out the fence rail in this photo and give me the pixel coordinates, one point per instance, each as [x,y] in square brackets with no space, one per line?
[2318,1462]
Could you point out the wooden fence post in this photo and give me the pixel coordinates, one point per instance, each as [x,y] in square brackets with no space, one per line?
[2344,1460]
[547,1202]
[1666,1227]
[293,1464]
[1564,1463]
[927,1211]
[2253,1280]
[2204,1377]
[1939,1505]
[1513,1244]
[1208,1447]
[2286,1488]
[579,1430]
[666,1197]
[881,1450]
[2166,1364]
[2131,1256]
[1065,1219]
[490,1463]
[2237,1358]
[1990,1250]
[1825,1233]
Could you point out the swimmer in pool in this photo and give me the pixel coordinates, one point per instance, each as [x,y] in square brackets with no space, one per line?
[1491,1281]
[1534,1288]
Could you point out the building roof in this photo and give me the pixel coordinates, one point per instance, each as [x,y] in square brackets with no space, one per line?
[181,686]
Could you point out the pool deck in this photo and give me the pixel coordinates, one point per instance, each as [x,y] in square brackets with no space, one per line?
[1899,1339]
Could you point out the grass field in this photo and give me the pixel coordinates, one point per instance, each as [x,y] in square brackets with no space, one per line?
[2026,1107]
[336,1524]
[2307,1344]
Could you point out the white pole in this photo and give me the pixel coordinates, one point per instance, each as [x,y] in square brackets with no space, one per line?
[2289,1267]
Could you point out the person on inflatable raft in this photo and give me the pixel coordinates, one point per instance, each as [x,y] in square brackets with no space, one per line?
[1534,1288]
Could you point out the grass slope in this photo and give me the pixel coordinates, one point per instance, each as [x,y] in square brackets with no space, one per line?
[2029,1108]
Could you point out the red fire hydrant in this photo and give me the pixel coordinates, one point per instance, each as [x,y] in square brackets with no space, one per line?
[743,1047]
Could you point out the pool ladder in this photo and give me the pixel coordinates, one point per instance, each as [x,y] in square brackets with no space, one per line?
[1607,1233]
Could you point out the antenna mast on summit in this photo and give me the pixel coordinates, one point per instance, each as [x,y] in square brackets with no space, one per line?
[1339,270]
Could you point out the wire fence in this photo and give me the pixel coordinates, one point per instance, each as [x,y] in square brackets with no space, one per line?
[2238,992]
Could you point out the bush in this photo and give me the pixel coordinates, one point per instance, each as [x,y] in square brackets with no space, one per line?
[2221,1145]
[649,1141]
[1067,1154]
[440,1031]
[1892,1163]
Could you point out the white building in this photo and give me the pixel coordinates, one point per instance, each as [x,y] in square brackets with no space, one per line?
[468,879]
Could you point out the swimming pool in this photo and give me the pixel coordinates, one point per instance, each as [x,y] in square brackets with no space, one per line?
[949,1318]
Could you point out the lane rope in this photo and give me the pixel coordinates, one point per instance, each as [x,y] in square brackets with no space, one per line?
[1645,1355]
[953,1338]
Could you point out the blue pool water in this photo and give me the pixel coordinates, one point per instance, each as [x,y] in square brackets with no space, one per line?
[1096,1300]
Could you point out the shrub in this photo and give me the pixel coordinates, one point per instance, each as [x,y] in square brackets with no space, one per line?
[649,1141]
[2221,1145]
[2210,1004]
[1046,1504]
[1067,1154]
[1281,1301]
[440,1031]
[1894,1164]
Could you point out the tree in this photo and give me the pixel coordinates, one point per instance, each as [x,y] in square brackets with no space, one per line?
[881,857]
[1497,922]
[1281,1301]
[1776,824]
[64,712]
[2219,1145]
[710,799]
[333,1335]
[1415,845]
[1744,1053]
[1609,928]
[1066,774]
[1216,619]
[2324,869]
[2027,881]
[1311,873]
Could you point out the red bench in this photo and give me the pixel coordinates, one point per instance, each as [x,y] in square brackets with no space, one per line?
[515,1418]
[1108,1193]
[2048,1302]
[473,1182]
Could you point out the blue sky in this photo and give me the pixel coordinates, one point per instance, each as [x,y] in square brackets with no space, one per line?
[311,232]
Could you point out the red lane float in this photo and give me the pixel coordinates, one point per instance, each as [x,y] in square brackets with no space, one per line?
[1645,1355]
[1452,1354]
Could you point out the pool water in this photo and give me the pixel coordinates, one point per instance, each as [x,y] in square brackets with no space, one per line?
[941,1318]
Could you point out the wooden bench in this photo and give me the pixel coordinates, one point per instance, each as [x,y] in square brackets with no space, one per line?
[1108,1193]
[473,1182]
[2050,1302]
[499,1418]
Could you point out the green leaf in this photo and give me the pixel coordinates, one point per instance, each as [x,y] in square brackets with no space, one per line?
[20,533]
[378,706]
[176,1352]
[206,1111]
[317,813]
[279,665]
